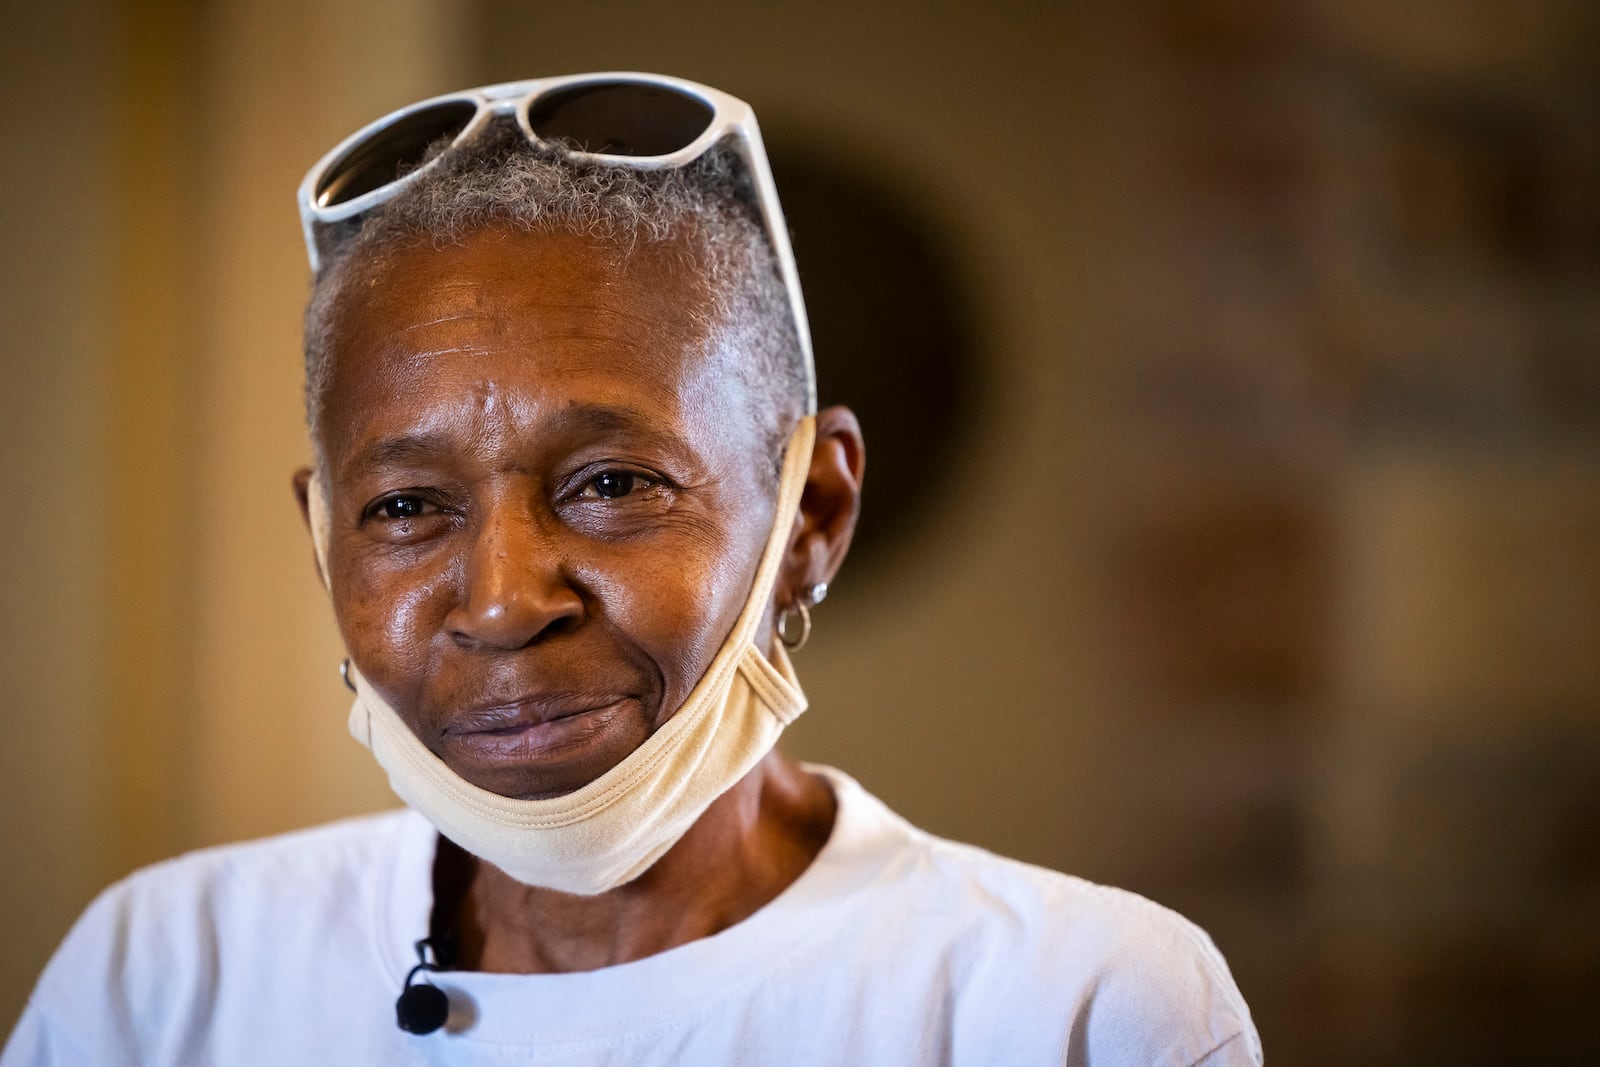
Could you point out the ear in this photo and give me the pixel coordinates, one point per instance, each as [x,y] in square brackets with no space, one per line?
[829,506]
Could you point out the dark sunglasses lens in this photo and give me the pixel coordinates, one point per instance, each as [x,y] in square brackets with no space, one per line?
[620,118]
[396,148]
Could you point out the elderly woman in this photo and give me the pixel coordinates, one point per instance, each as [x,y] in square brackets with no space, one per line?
[571,499]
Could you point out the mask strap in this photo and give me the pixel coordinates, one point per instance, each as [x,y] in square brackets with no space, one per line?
[317,512]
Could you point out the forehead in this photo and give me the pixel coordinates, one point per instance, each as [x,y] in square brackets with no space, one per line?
[551,320]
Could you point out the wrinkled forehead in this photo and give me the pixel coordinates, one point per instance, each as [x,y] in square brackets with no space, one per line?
[553,318]
[532,280]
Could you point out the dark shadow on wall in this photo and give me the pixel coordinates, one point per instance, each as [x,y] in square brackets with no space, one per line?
[893,328]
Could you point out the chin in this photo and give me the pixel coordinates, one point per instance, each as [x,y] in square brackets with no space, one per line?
[536,783]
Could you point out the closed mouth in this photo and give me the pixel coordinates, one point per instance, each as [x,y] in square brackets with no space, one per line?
[525,713]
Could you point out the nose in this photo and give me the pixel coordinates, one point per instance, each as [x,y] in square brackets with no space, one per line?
[515,592]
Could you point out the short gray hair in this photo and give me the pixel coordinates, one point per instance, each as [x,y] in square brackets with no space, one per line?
[502,181]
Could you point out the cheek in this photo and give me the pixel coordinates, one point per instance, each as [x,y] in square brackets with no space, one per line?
[675,607]
[389,618]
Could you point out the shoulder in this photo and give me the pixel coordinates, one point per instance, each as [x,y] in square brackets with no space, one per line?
[1126,970]
[1118,971]
[273,873]
[155,944]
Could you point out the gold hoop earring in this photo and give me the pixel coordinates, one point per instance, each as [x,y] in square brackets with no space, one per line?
[794,642]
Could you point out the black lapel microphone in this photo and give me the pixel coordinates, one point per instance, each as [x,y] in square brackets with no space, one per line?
[423,1008]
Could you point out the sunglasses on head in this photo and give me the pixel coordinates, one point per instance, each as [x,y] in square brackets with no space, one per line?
[645,121]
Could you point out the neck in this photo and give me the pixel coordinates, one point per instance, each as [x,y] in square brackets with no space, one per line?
[757,837]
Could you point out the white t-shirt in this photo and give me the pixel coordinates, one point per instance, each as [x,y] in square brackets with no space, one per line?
[894,947]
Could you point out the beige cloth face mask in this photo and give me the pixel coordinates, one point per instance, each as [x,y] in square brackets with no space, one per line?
[613,829]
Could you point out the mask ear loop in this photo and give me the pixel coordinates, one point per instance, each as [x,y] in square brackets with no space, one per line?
[321,521]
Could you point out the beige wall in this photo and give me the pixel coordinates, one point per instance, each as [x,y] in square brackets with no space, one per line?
[53,834]
[1204,608]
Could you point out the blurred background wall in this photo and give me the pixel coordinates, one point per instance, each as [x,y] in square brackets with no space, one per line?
[1230,375]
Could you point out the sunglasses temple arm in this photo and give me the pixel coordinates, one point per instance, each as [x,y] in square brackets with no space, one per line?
[778,236]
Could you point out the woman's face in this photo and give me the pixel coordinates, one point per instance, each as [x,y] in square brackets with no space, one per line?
[548,498]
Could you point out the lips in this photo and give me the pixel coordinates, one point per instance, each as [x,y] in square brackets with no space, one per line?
[505,717]
[542,744]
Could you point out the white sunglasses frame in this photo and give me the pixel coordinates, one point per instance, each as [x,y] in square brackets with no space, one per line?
[731,117]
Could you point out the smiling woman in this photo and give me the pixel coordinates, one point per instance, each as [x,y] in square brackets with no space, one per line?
[513,526]
[568,484]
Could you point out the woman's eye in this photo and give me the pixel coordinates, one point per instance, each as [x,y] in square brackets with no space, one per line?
[402,507]
[610,485]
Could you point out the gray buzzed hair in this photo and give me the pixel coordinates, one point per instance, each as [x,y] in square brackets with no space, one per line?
[503,181]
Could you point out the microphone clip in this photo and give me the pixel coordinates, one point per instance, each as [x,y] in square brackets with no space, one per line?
[423,1008]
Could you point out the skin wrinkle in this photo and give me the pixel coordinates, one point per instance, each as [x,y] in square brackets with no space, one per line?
[417,449]
[434,322]
[609,416]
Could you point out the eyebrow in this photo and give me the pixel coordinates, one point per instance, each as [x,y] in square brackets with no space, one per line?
[397,451]
[576,420]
